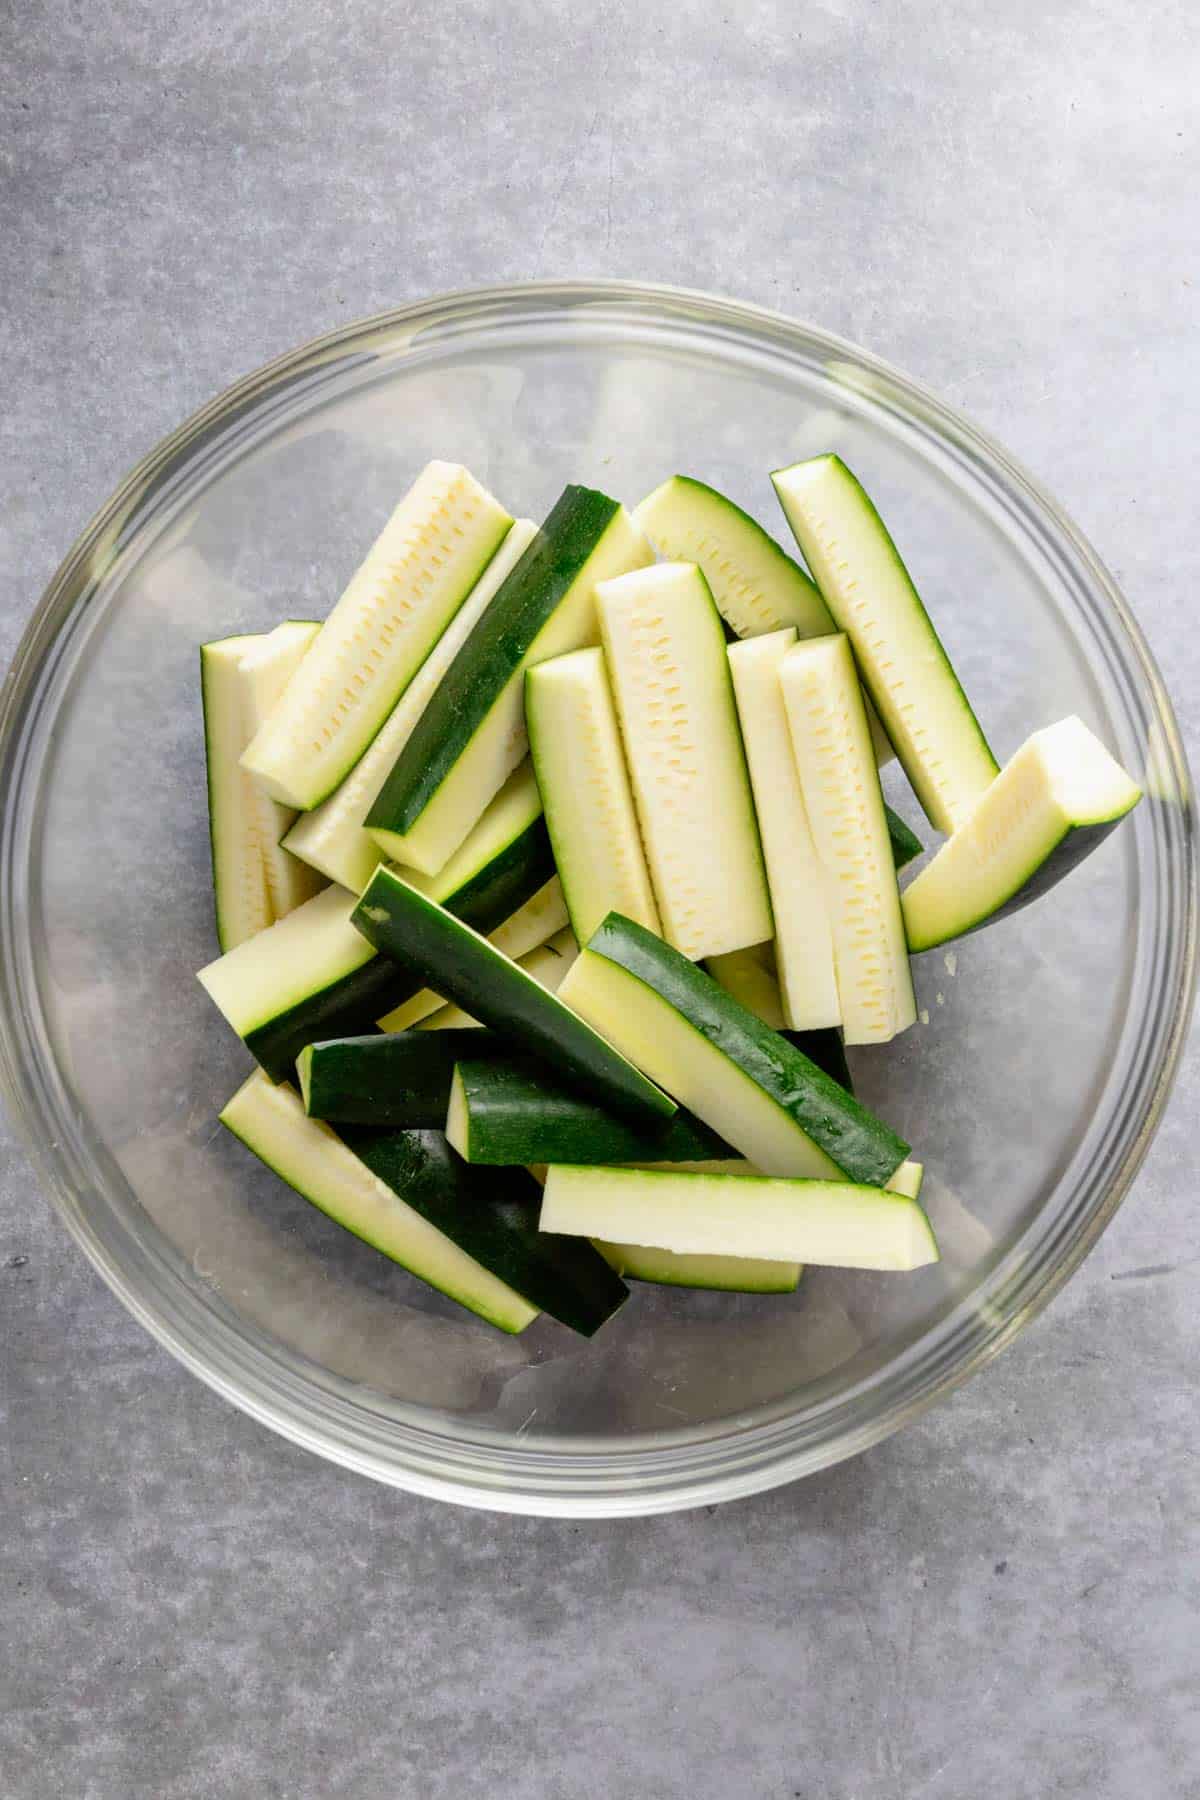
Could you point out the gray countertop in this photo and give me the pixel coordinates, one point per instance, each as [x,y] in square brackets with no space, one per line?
[1000,196]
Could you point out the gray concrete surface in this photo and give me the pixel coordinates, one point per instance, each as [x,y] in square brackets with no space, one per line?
[1000,1603]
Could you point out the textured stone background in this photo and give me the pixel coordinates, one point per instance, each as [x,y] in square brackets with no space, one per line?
[1002,1602]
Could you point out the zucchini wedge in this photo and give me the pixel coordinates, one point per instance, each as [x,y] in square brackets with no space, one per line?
[243,905]
[547,963]
[665,652]
[472,732]
[1054,803]
[727,1274]
[900,658]
[508,1110]
[265,671]
[401,1080]
[845,813]
[838,1224]
[803,931]
[746,1082]
[447,954]
[333,837]
[575,744]
[417,574]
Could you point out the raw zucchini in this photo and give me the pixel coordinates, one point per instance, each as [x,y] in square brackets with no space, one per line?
[575,743]
[458,962]
[803,932]
[313,976]
[243,905]
[845,813]
[908,1179]
[333,837]
[666,655]
[899,655]
[906,845]
[311,1158]
[547,963]
[836,1223]
[827,1050]
[472,732]
[746,1082]
[417,574]
[730,1274]
[401,1080]
[509,1110]
[536,923]
[749,975]
[1056,800]
[265,670]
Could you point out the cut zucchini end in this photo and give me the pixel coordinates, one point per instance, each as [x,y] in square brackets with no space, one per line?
[458,1123]
[304,1074]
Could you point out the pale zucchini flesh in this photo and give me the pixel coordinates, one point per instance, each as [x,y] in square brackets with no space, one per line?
[835,1224]
[665,651]
[314,946]
[803,931]
[844,806]
[458,760]
[575,743]
[333,837]
[900,658]
[727,1274]
[1054,802]
[417,574]
[309,1155]
[242,903]
[265,670]
[749,976]
[534,924]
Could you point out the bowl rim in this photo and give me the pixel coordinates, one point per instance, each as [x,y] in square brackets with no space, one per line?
[571,1481]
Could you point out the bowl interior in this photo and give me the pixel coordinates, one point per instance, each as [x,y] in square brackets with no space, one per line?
[1033,1035]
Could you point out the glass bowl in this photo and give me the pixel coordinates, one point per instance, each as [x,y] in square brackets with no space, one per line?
[1030,1088]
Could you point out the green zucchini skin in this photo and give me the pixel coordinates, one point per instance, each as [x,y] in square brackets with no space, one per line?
[494,1218]
[826,1049]
[862,1146]
[479,672]
[350,1006]
[906,845]
[400,1080]
[456,962]
[516,1114]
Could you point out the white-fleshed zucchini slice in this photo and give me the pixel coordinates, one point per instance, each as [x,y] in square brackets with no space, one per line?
[838,1224]
[266,669]
[311,1157]
[417,574]
[1055,801]
[243,905]
[665,651]
[845,813]
[472,733]
[548,963]
[575,744]
[727,1274]
[532,925]
[333,837]
[899,654]
[803,933]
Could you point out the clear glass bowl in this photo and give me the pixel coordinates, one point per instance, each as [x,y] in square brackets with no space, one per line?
[1031,1091]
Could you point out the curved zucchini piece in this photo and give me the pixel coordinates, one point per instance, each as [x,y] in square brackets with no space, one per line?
[313,976]
[402,1080]
[845,813]
[266,669]
[803,932]
[1057,799]
[417,574]
[547,963]
[539,922]
[838,1224]
[575,743]
[458,962]
[243,905]
[472,732]
[665,652]
[493,1215]
[311,1158]
[746,1082]
[899,655]
[728,1274]
[508,1110]
[333,837]
[906,845]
